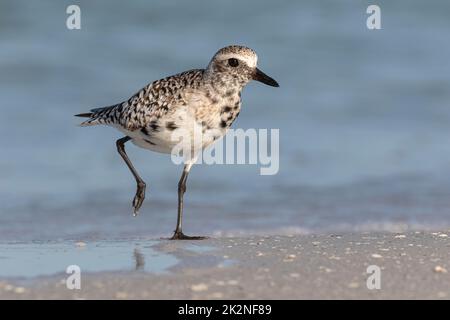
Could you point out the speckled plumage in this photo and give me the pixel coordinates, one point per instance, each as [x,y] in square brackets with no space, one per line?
[209,98]
[200,100]
[150,103]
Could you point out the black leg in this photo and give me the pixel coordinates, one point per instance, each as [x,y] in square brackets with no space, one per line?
[140,192]
[178,235]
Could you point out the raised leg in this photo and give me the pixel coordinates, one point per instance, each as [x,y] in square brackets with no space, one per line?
[140,192]
[178,235]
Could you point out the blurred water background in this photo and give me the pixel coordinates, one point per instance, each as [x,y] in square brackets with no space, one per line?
[364,117]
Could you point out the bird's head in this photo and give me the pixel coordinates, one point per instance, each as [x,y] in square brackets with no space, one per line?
[238,64]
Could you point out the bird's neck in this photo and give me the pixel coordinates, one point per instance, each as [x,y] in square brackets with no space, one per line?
[224,84]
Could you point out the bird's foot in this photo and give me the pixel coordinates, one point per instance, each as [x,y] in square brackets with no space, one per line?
[138,198]
[178,235]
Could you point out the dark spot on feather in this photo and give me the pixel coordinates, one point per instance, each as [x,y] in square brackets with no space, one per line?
[226,109]
[171,125]
[229,93]
[148,141]
[223,124]
[205,126]
[145,131]
[154,125]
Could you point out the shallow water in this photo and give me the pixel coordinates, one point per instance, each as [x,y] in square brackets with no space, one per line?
[364,118]
[46,258]
[43,259]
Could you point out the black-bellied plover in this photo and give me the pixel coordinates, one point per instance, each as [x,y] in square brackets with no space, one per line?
[207,100]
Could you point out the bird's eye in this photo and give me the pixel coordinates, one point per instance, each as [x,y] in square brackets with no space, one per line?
[233,62]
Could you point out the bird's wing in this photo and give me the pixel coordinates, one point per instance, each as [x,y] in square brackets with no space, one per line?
[148,104]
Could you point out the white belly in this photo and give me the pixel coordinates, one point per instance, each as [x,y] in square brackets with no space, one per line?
[189,135]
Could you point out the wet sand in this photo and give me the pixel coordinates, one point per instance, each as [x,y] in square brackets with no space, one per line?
[413,265]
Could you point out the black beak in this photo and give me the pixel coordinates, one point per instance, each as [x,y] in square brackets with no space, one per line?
[264,78]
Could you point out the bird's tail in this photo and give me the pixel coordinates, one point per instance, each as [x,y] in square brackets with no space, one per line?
[97,116]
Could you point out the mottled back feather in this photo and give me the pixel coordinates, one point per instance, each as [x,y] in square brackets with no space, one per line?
[148,104]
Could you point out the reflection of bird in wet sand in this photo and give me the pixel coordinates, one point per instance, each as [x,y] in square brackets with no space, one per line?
[139,259]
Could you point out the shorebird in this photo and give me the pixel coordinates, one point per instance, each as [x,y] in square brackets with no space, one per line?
[199,100]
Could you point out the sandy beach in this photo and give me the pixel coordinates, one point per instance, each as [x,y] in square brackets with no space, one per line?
[413,265]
